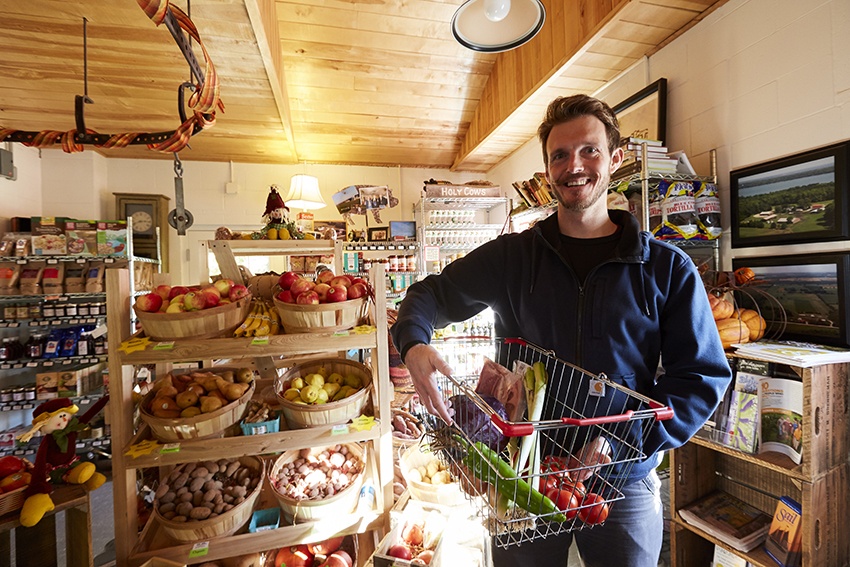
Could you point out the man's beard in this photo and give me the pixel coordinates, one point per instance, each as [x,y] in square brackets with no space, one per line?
[599,191]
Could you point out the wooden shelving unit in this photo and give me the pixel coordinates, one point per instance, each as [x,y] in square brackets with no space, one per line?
[821,483]
[133,548]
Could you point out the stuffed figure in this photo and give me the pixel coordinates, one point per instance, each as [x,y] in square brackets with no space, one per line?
[57,460]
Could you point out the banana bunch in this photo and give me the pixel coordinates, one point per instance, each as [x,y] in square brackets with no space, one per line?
[260,322]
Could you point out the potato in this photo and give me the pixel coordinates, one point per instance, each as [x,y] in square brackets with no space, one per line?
[200,513]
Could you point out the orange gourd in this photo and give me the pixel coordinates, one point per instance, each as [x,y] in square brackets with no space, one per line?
[732,331]
[720,307]
[754,321]
[744,275]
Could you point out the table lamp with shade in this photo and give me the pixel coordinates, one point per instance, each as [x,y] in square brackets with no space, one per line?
[304,193]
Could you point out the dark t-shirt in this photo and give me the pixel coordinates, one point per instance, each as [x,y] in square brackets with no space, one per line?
[584,254]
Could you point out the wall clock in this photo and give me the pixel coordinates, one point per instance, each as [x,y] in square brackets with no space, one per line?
[147,213]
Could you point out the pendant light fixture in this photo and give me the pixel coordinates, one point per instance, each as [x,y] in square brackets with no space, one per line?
[304,193]
[497,25]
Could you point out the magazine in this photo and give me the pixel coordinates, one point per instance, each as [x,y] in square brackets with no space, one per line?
[785,537]
[793,353]
[781,408]
[729,519]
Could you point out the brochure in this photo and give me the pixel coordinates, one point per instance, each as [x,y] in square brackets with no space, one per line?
[742,423]
[781,406]
[729,519]
[793,353]
[725,558]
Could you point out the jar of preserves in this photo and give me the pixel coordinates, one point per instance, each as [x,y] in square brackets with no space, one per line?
[35,310]
[10,312]
[59,309]
[71,310]
[23,311]
[94,309]
[83,309]
[18,395]
[48,310]
[29,392]
[6,395]
[35,345]
[6,349]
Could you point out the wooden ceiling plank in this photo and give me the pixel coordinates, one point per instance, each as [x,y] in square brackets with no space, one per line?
[263,17]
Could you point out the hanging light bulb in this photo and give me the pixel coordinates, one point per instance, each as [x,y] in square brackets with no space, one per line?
[497,25]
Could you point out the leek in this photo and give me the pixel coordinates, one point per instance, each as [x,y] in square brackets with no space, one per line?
[535,393]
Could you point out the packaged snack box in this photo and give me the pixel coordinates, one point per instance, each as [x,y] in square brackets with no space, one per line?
[112,238]
[81,237]
[48,236]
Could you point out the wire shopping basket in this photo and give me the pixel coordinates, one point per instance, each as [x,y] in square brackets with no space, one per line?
[589,437]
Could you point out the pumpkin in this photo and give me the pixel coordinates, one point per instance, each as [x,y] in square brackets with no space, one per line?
[263,286]
[732,331]
[721,308]
[754,321]
[744,275]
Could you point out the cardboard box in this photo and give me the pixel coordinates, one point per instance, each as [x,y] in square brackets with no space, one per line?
[81,237]
[47,385]
[112,238]
[48,236]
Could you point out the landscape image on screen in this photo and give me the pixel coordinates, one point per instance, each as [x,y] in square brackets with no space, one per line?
[809,295]
[788,201]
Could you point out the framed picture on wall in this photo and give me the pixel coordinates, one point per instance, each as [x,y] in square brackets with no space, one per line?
[792,200]
[812,290]
[644,114]
[377,234]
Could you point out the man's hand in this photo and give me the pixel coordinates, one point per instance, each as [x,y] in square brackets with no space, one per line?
[424,362]
[590,458]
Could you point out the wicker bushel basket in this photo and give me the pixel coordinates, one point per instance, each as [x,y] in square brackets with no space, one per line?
[218,321]
[322,317]
[340,504]
[12,500]
[205,425]
[224,524]
[300,416]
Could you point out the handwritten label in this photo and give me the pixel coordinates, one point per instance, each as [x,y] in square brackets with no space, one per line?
[260,341]
[170,448]
[164,345]
[339,429]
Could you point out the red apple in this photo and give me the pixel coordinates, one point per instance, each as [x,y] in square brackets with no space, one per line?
[321,290]
[285,296]
[149,303]
[237,292]
[357,291]
[163,291]
[223,287]
[343,280]
[286,279]
[338,558]
[301,285]
[308,298]
[358,280]
[337,293]
[425,556]
[177,290]
[211,296]
[194,301]
[400,551]
[325,276]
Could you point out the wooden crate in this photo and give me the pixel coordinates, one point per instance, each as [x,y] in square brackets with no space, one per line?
[698,470]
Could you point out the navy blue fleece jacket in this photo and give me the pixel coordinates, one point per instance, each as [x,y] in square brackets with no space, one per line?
[646,302]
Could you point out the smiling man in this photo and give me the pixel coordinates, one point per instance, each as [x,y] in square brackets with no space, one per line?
[588,284]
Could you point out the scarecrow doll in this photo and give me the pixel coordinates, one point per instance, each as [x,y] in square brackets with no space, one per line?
[57,460]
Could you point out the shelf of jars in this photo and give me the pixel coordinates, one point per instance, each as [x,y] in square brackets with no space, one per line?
[76,259]
[410,245]
[42,363]
[6,299]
